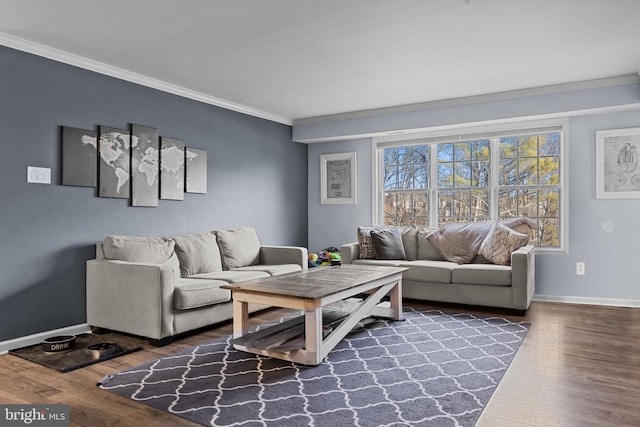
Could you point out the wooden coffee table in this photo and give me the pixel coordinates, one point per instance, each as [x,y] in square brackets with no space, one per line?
[309,338]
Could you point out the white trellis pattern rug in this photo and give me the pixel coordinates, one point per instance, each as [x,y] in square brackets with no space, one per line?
[432,369]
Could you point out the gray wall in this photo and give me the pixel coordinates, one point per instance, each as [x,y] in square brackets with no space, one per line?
[256,176]
[611,258]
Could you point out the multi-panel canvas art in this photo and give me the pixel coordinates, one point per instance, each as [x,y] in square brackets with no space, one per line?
[114,151]
[135,164]
[196,170]
[171,169]
[79,157]
[145,166]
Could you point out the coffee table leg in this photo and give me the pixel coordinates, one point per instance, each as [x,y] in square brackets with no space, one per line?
[396,301]
[313,335]
[240,318]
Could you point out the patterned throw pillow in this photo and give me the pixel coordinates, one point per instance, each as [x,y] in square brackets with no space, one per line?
[365,244]
[500,243]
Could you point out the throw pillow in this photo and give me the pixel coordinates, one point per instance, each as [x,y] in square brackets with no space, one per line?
[387,243]
[198,253]
[459,242]
[240,247]
[155,250]
[410,242]
[365,245]
[500,243]
[426,250]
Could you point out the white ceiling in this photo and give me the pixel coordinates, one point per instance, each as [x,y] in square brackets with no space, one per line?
[294,59]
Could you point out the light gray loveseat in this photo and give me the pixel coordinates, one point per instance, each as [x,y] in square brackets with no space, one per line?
[159,287]
[475,282]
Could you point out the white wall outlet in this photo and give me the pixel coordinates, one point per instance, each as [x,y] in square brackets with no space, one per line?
[38,175]
[580,268]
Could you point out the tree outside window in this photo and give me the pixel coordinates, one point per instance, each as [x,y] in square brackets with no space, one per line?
[461,187]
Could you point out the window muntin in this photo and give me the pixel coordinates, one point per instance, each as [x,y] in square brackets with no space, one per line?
[526,182]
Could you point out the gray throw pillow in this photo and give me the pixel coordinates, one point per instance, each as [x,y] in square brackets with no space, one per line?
[387,244]
[240,247]
[154,250]
[198,253]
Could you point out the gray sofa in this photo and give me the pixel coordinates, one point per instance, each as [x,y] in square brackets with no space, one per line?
[477,282]
[159,287]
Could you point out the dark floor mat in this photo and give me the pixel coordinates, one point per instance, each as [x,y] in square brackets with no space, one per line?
[77,357]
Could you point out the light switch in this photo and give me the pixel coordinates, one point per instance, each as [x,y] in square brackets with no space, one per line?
[38,175]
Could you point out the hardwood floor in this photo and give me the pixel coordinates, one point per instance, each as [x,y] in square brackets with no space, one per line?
[578,366]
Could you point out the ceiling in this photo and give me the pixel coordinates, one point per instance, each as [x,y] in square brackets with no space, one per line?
[293,59]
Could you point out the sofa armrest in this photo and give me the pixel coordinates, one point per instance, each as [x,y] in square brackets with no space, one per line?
[523,276]
[349,252]
[274,255]
[130,297]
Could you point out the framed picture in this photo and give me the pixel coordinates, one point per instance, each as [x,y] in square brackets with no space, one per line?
[338,178]
[617,171]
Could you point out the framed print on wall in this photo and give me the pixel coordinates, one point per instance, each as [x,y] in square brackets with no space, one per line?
[617,171]
[338,178]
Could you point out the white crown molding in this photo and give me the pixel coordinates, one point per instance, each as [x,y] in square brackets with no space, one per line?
[611,302]
[499,96]
[48,52]
[20,342]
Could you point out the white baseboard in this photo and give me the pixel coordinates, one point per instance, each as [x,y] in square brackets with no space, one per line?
[614,302]
[5,346]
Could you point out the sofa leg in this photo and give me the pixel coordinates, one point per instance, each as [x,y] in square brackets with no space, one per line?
[161,342]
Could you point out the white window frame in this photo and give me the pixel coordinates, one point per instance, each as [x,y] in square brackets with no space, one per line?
[465,133]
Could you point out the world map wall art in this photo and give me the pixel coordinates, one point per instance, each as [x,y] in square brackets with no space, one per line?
[134,164]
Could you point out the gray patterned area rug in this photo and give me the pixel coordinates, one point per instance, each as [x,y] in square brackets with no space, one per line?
[432,369]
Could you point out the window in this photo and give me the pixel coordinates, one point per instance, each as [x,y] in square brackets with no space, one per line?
[474,177]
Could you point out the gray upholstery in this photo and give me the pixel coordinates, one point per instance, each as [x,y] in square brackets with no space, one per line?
[477,283]
[198,253]
[199,293]
[143,294]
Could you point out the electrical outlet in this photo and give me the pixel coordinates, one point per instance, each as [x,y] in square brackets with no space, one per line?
[580,268]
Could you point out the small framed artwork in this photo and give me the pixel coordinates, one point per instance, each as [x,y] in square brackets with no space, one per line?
[617,171]
[338,178]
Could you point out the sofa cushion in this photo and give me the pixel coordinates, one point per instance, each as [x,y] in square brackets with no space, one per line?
[194,293]
[154,250]
[240,247]
[500,243]
[387,243]
[365,244]
[426,251]
[273,270]
[428,271]
[382,262]
[482,274]
[410,242]
[232,276]
[198,253]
